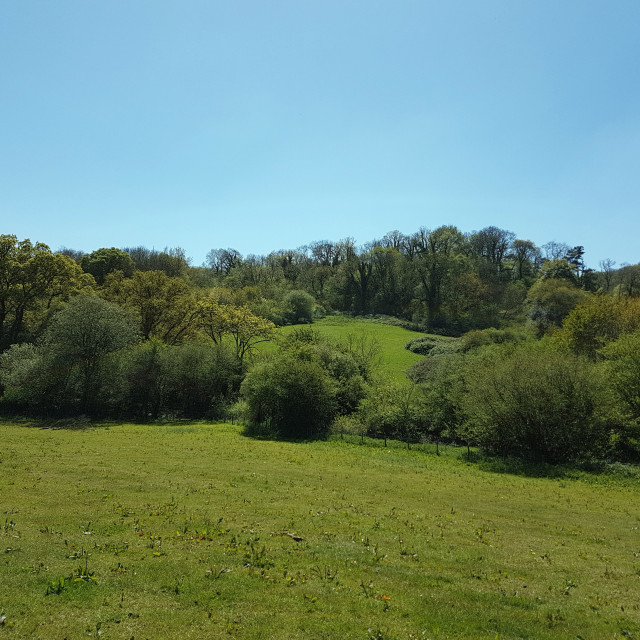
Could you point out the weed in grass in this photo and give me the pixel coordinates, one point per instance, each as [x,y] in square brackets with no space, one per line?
[82,574]
[258,558]
[325,573]
[56,587]
[8,528]
[215,573]
[368,589]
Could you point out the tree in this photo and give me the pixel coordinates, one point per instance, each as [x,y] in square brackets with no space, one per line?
[173,262]
[75,368]
[244,327]
[622,370]
[606,272]
[395,410]
[165,307]
[627,280]
[492,245]
[535,402]
[555,250]
[199,379]
[440,259]
[101,262]
[549,300]
[32,279]
[525,256]
[291,397]
[79,339]
[222,261]
[299,306]
[598,320]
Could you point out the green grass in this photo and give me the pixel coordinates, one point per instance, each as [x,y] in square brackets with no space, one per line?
[180,531]
[393,360]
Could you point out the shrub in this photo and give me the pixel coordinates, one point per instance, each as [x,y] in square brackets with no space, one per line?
[433,346]
[483,337]
[292,397]
[533,402]
[299,307]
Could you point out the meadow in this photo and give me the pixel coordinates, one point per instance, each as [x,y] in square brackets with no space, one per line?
[389,341]
[193,530]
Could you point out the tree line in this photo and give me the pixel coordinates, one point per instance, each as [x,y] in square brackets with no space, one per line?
[142,333]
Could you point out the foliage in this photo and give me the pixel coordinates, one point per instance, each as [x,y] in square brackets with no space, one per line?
[290,396]
[622,369]
[395,410]
[334,372]
[483,337]
[433,345]
[245,328]
[104,261]
[598,320]
[549,300]
[299,307]
[200,380]
[164,306]
[32,280]
[172,262]
[534,402]
[71,369]
[442,384]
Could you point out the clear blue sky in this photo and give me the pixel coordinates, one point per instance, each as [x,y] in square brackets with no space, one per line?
[268,124]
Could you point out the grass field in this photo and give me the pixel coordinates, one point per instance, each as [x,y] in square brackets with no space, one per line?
[190,531]
[393,360]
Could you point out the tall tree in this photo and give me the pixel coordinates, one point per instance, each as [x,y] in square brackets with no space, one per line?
[32,278]
[437,262]
[101,262]
[165,307]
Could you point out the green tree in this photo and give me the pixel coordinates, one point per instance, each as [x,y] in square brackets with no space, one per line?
[395,410]
[240,324]
[622,370]
[535,402]
[437,262]
[291,397]
[32,280]
[598,320]
[525,257]
[103,261]
[549,300]
[299,306]
[199,379]
[164,307]
[76,366]
[79,340]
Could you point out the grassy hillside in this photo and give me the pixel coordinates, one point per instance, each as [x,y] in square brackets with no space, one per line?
[194,531]
[394,359]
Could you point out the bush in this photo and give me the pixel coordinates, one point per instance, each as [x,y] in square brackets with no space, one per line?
[299,307]
[533,402]
[483,337]
[433,346]
[395,410]
[292,397]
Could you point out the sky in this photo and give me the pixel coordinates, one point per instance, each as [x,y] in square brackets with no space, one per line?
[270,124]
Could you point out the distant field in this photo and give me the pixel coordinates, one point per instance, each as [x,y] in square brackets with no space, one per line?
[181,531]
[394,358]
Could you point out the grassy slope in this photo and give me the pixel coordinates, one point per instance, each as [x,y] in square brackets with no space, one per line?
[182,527]
[391,340]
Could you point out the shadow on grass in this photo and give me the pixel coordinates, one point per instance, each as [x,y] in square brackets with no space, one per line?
[263,432]
[519,467]
[595,470]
